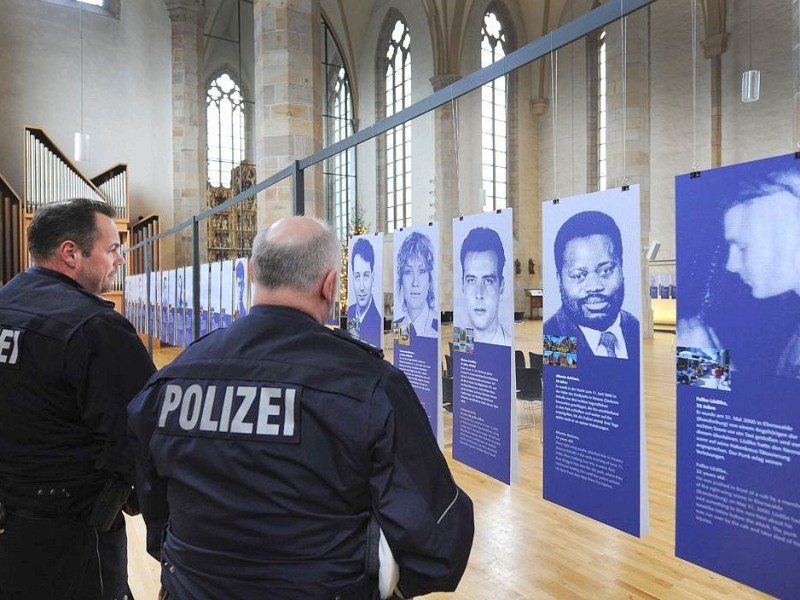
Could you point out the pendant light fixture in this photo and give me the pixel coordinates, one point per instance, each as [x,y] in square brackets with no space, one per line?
[81,150]
[751,79]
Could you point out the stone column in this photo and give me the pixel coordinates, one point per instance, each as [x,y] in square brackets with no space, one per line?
[188,121]
[288,101]
[446,184]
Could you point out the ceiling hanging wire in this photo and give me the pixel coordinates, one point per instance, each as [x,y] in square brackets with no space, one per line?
[454,113]
[572,100]
[624,52]
[554,112]
[695,164]
[796,77]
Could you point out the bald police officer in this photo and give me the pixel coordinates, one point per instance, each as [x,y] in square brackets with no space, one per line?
[271,453]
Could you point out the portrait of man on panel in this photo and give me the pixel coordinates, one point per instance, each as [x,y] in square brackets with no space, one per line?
[363,318]
[588,256]
[483,260]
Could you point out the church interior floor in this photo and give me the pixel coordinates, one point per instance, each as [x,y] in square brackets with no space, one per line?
[528,548]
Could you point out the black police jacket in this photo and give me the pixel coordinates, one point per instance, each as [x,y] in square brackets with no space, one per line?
[265,448]
[69,364]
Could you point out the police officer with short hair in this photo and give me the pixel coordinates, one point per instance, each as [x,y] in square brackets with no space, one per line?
[69,364]
[275,454]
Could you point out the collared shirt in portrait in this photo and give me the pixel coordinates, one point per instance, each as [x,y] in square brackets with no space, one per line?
[593,339]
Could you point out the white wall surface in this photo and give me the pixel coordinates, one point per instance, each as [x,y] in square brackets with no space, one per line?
[126,89]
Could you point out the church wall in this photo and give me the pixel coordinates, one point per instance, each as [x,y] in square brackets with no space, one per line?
[127,101]
[562,127]
[749,131]
[764,128]
[676,143]
[127,106]
[679,135]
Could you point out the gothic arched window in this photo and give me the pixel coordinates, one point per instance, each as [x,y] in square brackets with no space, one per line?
[340,170]
[225,123]
[494,117]
[396,92]
[602,113]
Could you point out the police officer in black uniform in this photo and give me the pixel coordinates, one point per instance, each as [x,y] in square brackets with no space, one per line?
[69,364]
[273,454]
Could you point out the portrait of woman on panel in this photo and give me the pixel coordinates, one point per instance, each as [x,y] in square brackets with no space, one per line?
[416,287]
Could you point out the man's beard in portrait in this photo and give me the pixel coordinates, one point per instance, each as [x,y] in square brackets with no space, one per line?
[600,320]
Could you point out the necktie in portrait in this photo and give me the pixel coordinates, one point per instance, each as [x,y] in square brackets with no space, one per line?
[609,341]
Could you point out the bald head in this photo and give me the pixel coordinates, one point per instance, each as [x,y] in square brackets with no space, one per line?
[293,230]
[294,253]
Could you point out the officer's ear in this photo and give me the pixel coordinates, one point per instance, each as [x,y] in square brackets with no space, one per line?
[68,252]
[329,286]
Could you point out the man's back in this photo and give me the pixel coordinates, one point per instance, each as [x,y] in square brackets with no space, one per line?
[47,436]
[279,440]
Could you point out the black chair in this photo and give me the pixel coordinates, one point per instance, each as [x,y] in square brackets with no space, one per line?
[529,392]
[448,361]
[519,359]
[536,360]
[447,393]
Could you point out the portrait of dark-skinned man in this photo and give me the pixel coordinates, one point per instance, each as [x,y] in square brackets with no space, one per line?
[588,259]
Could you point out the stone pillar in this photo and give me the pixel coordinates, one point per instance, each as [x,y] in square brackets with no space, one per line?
[188,121]
[288,101]
[629,116]
[714,46]
[446,185]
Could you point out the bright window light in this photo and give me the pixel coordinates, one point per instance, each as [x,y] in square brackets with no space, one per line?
[92,2]
[494,121]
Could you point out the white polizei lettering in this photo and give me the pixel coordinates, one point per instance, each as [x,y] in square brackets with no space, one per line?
[206,423]
[15,351]
[195,405]
[172,400]
[225,417]
[9,339]
[288,417]
[266,409]
[238,425]
[191,403]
